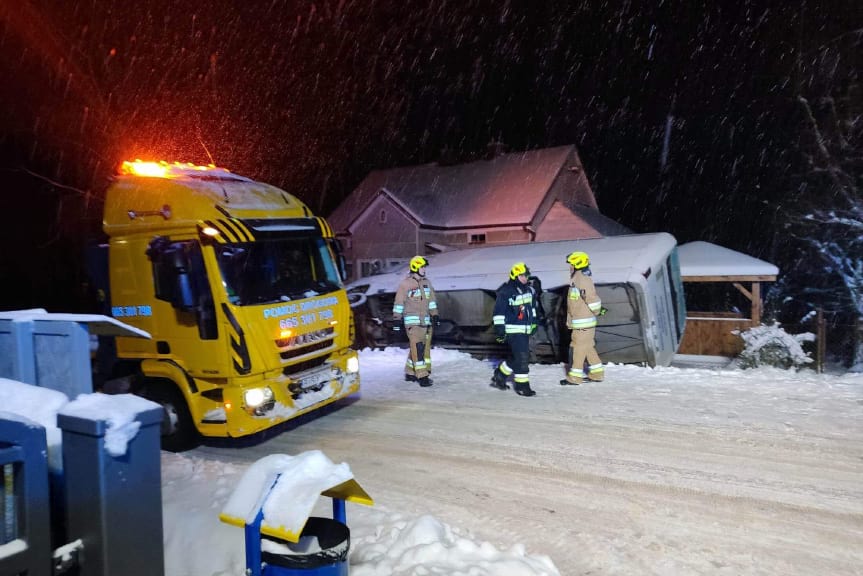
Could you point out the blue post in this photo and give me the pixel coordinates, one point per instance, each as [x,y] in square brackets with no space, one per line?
[339,514]
[253,545]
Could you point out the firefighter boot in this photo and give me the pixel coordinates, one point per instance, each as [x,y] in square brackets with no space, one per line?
[425,381]
[571,381]
[524,389]
[498,380]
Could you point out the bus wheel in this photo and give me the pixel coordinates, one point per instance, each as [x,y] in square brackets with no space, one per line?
[178,431]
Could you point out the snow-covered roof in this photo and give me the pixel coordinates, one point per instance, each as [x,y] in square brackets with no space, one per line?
[507,189]
[613,259]
[706,259]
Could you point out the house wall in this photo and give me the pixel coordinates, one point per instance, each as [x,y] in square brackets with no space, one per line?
[467,238]
[384,233]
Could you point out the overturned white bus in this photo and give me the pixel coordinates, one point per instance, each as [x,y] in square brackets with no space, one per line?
[637,277]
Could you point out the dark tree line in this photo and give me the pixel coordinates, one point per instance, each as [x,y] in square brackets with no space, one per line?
[824,224]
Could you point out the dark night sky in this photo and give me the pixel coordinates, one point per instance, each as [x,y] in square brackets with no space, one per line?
[310,96]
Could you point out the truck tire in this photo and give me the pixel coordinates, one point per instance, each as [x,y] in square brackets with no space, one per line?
[178,430]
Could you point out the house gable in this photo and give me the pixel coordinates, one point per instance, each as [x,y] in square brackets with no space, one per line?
[560,223]
[385,229]
[569,188]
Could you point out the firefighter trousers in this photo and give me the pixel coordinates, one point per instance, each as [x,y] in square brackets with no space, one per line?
[583,348]
[419,351]
[518,360]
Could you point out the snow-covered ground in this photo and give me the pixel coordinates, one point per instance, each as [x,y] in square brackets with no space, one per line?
[654,471]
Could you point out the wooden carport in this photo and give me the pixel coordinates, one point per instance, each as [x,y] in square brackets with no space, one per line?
[710,332]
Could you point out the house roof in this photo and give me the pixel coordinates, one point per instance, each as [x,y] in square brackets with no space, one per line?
[703,259]
[506,190]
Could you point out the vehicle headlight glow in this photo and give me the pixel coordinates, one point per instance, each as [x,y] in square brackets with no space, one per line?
[353,365]
[254,397]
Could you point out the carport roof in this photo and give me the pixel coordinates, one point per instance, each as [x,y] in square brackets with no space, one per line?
[704,260]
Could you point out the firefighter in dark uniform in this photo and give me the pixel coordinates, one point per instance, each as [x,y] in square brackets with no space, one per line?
[415,305]
[514,320]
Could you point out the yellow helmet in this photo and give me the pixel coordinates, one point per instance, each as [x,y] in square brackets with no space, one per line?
[517,269]
[418,262]
[578,260]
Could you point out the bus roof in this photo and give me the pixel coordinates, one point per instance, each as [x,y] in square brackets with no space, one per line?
[614,259]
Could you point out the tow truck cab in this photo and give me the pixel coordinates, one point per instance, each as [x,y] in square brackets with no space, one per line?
[239,285]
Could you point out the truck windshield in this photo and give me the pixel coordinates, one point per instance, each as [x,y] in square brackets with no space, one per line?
[277,270]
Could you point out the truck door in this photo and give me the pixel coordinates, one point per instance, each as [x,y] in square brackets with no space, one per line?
[180,278]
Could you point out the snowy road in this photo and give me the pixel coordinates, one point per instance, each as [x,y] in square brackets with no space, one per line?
[665,471]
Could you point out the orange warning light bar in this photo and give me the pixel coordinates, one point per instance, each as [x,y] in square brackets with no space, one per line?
[162,169]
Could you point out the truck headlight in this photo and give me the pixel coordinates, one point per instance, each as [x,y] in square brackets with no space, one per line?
[255,397]
[353,365]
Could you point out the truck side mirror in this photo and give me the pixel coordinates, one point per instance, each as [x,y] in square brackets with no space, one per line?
[171,272]
[336,247]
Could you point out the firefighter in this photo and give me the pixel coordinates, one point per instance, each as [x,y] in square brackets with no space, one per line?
[415,306]
[514,320]
[582,306]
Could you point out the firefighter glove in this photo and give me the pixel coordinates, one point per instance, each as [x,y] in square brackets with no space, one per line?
[500,334]
[436,321]
[602,311]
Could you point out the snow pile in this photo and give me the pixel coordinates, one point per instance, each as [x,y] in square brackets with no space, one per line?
[382,541]
[773,346]
[400,546]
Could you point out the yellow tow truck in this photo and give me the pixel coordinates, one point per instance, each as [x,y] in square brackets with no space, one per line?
[239,285]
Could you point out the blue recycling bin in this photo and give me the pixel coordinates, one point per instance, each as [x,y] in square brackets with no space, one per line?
[328,556]
[53,350]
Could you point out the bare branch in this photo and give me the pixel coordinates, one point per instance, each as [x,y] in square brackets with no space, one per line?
[54,182]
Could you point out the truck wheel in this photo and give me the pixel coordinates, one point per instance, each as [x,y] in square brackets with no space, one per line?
[178,431]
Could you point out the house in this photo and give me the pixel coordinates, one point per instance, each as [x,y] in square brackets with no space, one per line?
[537,195]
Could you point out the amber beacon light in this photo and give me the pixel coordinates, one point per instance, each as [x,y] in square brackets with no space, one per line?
[161,169]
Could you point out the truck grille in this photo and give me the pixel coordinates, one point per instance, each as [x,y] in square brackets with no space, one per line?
[304,365]
[293,353]
[307,338]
